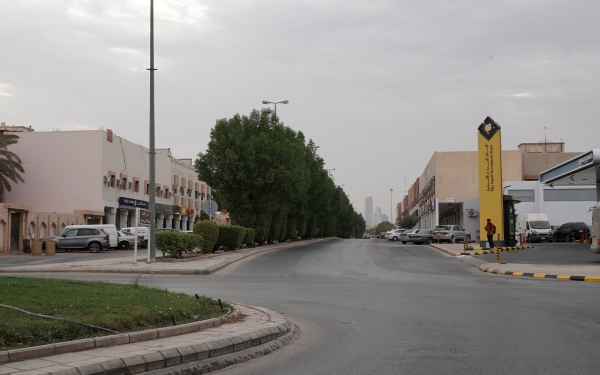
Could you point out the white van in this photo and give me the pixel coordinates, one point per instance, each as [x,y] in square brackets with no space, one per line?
[110,229]
[142,231]
[535,226]
[596,228]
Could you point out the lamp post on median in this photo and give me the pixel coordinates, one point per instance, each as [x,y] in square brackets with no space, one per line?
[281,102]
[329,171]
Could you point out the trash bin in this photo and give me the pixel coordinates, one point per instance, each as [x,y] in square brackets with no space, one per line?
[50,248]
[37,248]
[26,245]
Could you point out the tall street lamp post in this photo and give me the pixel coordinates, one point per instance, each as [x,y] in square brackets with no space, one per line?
[281,102]
[391,212]
[152,177]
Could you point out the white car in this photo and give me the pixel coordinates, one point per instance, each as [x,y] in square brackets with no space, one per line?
[394,234]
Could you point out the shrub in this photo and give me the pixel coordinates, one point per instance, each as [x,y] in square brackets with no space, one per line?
[209,232]
[177,243]
[249,237]
[230,236]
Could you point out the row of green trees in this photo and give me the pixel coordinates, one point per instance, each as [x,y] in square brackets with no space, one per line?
[270,178]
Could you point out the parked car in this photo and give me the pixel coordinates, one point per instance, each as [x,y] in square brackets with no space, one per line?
[127,240]
[143,231]
[405,235]
[381,235]
[109,229]
[366,236]
[423,236]
[394,234]
[571,231]
[80,237]
[450,233]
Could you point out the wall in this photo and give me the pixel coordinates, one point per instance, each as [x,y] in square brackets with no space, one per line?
[62,171]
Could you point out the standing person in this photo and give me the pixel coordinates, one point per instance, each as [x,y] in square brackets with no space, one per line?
[490,229]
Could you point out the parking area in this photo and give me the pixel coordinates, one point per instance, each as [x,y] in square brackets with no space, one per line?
[560,253]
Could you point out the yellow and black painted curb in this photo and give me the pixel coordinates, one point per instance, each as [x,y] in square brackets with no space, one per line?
[540,275]
[482,252]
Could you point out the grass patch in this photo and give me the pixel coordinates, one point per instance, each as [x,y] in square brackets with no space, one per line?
[118,307]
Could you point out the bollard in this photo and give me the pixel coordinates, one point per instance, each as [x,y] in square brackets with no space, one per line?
[497,250]
[465,244]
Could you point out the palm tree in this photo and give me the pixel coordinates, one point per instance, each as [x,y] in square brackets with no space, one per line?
[10,164]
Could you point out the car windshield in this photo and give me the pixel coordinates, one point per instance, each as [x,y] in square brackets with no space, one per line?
[539,224]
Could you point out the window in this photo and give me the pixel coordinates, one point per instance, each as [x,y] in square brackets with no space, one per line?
[71,233]
[83,232]
[94,232]
[137,187]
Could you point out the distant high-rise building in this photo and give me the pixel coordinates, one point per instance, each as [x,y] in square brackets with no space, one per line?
[377,216]
[369,211]
[384,217]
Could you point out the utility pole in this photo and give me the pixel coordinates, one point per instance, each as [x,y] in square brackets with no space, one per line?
[152,178]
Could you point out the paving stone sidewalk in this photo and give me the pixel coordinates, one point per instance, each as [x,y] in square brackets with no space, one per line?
[202,265]
[191,353]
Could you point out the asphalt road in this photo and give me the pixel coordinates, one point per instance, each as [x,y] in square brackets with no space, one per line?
[377,307]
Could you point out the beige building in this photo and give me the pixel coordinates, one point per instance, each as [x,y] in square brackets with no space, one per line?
[89,177]
[451,178]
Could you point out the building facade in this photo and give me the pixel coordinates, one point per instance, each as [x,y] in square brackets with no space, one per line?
[447,192]
[93,177]
[369,211]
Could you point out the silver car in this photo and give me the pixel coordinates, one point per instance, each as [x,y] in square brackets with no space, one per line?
[450,233]
[73,237]
[127,240]
[404,237]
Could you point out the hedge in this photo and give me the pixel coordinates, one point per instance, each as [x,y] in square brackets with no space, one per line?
[209,232]
[249,237]
[230,236]
[176,243]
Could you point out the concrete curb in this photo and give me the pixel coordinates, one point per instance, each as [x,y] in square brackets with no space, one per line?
[214,364]
[33,352]
[589,278]
[191,358]
[164,271]
[483,252]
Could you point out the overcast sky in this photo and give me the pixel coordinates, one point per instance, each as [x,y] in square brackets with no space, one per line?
[379,85]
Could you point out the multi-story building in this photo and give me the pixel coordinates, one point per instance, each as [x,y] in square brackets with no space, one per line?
[369,211]
[89,177]
[447,192]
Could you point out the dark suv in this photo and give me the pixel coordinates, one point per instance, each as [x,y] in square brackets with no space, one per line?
[571,231]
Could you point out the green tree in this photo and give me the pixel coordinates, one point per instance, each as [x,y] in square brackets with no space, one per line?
[384,226]
[408,221]
[10,164]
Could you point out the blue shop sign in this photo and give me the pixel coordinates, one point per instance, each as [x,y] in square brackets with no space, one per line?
[130,202]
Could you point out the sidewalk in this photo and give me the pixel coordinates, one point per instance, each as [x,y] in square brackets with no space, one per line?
[201,265]
[543,271]
[254,331]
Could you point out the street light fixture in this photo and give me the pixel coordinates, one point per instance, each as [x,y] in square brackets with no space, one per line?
[329,171]
[281,102]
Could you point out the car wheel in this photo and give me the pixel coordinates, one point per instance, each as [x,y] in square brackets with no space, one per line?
[403,242]
[528,239]
[429,241]
[451,240]
[94,247]
[395,239]
[124,245]
[468,239]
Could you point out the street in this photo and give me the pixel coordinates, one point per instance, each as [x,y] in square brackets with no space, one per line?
[374,306]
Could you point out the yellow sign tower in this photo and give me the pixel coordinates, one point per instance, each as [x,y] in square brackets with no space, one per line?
[490,178]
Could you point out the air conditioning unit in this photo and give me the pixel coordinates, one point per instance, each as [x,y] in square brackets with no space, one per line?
[169,195]
[119,182]
[130,185]
[472,212]
[105,179]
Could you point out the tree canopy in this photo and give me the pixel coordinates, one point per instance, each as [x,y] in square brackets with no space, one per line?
[271,179]
[10,164]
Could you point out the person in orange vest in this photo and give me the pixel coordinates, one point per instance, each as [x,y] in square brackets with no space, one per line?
[490,229]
